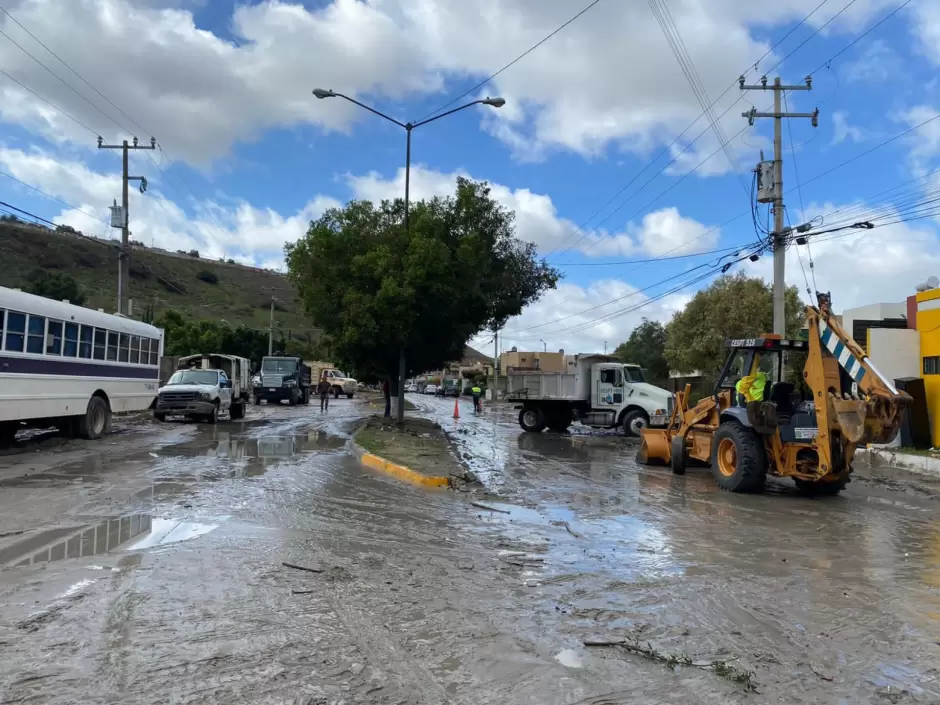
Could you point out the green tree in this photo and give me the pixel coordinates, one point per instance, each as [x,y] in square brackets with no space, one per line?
[731,307]
[376,290]
[183,336]
[646,347]
[58,286]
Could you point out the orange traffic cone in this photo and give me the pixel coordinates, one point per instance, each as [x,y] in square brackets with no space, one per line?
[456,409]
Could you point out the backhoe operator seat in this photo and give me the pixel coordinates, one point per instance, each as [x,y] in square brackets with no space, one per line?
[782,396]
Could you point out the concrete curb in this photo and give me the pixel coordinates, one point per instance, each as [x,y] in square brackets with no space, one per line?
[919,464]
[395,470]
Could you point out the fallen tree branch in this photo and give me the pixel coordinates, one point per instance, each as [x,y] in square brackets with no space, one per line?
[489,508]
[719,668]
[301,567]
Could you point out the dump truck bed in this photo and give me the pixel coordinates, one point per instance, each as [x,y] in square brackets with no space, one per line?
[534,386]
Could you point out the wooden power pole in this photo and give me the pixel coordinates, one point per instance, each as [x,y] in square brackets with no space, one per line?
[123,258]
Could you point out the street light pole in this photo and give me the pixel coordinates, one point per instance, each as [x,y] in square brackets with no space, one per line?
[321,93]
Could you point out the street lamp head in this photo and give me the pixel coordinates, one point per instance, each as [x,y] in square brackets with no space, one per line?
[321,93]
[494,102]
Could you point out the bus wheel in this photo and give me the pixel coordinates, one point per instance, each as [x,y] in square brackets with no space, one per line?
[97,419]
[8,433]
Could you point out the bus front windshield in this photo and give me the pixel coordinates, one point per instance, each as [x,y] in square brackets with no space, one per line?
[194,377]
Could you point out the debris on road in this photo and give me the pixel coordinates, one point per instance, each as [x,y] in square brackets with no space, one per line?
[301,567]
[567,528]
[719,667]
[488,508]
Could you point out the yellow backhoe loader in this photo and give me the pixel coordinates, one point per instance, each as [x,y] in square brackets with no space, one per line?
[788,422]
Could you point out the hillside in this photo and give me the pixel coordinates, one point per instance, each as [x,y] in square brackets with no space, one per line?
[241,295]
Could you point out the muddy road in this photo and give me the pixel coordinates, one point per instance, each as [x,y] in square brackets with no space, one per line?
[149,569]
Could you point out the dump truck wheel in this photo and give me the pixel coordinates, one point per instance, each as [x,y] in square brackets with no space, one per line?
[678,455]
[532,420]
[739,463]
[633,422]
[558,424]
[821,489]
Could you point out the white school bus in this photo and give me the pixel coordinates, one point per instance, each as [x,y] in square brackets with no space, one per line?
[71,367]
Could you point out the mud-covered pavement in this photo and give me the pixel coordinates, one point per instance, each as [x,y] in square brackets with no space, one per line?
[149,570]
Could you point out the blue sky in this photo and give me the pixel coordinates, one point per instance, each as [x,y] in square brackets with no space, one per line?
[248,155]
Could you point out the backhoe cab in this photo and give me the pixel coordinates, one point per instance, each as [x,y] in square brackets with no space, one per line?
[807,405]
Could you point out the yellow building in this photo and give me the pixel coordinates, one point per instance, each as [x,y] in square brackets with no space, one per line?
[928,325]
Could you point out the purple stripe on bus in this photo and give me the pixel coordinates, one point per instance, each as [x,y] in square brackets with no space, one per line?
[73,368]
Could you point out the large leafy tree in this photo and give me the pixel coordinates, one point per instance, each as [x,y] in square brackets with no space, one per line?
[186,336]
[731,307]
[646,347]
[377,290]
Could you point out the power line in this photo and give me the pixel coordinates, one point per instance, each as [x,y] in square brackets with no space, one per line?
[513,62]
[54,198]
[48,102]
[653,259]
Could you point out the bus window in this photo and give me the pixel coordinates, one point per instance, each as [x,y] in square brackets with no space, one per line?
[54,338]
[122,350]
[84,346]
[16,332]
[112,345]
[71,340]
[35,334]
[101,337]
[154,352]
[135,350]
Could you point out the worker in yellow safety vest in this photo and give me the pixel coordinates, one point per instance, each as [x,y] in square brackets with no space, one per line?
[477,393]
[751,387]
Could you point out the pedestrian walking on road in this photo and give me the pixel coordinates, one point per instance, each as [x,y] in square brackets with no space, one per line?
[323,389]
[477,393]
[387,391]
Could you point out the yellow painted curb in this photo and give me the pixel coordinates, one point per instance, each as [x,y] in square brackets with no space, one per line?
[402,472]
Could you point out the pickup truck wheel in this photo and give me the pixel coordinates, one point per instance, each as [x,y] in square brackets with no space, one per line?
[532,420]
[213,416]
[349,395]
[635,421]
[336,391]
[159,416]
[97,419]
[257,400]
[237,410]
[739,462]
[292,400]
[8,431]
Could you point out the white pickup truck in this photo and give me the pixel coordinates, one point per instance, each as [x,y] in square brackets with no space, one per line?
[600,392]
[197,394]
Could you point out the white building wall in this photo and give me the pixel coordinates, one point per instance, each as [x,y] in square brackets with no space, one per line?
[872,312]
[896,352]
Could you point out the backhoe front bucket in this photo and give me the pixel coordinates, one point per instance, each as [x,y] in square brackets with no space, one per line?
[850,413]
[654,447]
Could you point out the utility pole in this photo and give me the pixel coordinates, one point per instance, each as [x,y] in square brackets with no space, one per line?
[271,330]
[123,259]
[779,238]
[495,362]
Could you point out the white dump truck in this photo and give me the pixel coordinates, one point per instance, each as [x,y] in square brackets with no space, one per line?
[599,391]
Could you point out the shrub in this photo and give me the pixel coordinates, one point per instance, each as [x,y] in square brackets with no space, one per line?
[208,277]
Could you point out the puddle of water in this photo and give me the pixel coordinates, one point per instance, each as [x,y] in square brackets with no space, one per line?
[167,531]
[569,658]
[124,533]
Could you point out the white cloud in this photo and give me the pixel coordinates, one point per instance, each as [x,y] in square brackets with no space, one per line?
[565,317]
[925,142]
[244,233]
[537,218]
[609,78]
[843,132]
[877,63]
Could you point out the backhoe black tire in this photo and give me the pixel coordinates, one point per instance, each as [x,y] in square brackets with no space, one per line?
[739,462]
[821,489]
[532,419]
[633,421]
[97,420]
[678,455]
